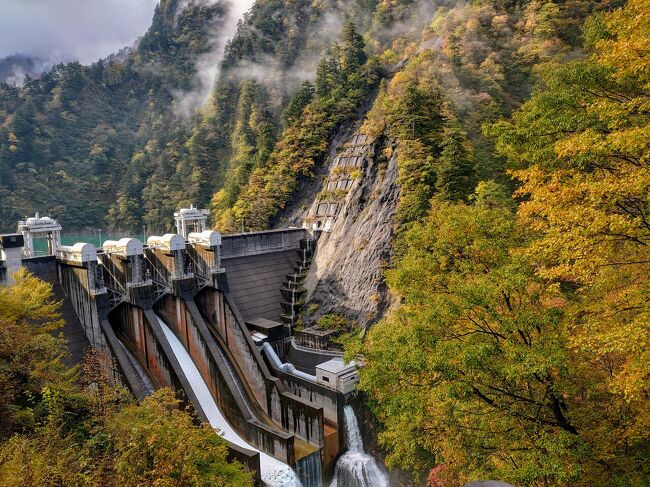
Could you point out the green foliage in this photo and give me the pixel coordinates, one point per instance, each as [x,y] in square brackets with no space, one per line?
[471,65]
[117,143]
[153,443]
[580,150]
[472,360]
[252,143]
[475,369]
[410,111]
[455,174]
[300,99]
[157,442]
[353,46]
[70,138]
[105,145]
[519,348]
[333,321]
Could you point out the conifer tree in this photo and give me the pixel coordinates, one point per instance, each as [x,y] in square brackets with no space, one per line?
[455,169]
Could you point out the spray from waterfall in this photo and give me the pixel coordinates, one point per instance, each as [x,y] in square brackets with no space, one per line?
[356,468]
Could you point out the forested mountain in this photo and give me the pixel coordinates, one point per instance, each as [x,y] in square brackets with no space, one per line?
[116,143]
[519,346]
[71,137]
[123,142]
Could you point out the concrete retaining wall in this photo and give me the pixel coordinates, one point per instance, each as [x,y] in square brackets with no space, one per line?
[284,408]
[138,328]
[332,404]
[91,311]
[75,283]
[242,244]
[42,267]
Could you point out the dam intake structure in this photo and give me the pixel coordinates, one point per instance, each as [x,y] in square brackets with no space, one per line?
[211,316]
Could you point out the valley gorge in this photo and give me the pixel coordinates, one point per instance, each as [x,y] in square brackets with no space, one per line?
[367,242]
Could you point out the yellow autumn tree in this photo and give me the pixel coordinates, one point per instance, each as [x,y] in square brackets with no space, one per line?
[29,353]
[581,150]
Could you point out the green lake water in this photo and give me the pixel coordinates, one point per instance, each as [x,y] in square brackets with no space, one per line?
[40,245]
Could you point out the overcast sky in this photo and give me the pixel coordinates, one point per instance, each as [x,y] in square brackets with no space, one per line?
[62,30]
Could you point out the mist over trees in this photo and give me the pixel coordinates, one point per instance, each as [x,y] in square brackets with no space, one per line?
[111,144]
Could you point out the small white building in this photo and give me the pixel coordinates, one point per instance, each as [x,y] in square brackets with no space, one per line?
[190,220]
[337,375]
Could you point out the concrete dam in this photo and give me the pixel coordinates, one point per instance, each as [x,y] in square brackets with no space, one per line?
[211,316]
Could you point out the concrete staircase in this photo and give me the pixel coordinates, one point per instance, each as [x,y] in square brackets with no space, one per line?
[292,290]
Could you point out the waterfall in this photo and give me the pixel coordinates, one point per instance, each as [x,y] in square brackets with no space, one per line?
[356,468]
[274,473]
[309,470]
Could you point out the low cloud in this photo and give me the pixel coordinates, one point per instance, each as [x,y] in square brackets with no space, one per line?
[269,71]
[65,30]
[15,68]
[207,66]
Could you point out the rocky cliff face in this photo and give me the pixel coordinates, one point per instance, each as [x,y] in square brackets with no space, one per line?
[354,211]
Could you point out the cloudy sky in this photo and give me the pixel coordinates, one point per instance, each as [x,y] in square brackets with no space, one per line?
[61,30]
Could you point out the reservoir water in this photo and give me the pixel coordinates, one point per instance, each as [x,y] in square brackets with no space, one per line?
[40,245]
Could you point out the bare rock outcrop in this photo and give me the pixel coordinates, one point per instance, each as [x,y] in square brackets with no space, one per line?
[354,211]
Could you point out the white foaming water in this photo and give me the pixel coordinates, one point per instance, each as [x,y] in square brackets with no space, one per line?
[356,468]
[273,471]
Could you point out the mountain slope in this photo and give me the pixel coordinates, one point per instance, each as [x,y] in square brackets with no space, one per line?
[69,138]
[111,144]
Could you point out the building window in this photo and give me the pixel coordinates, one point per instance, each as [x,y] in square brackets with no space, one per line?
[326,379]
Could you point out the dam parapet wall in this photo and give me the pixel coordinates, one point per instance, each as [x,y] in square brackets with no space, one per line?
[245,244]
